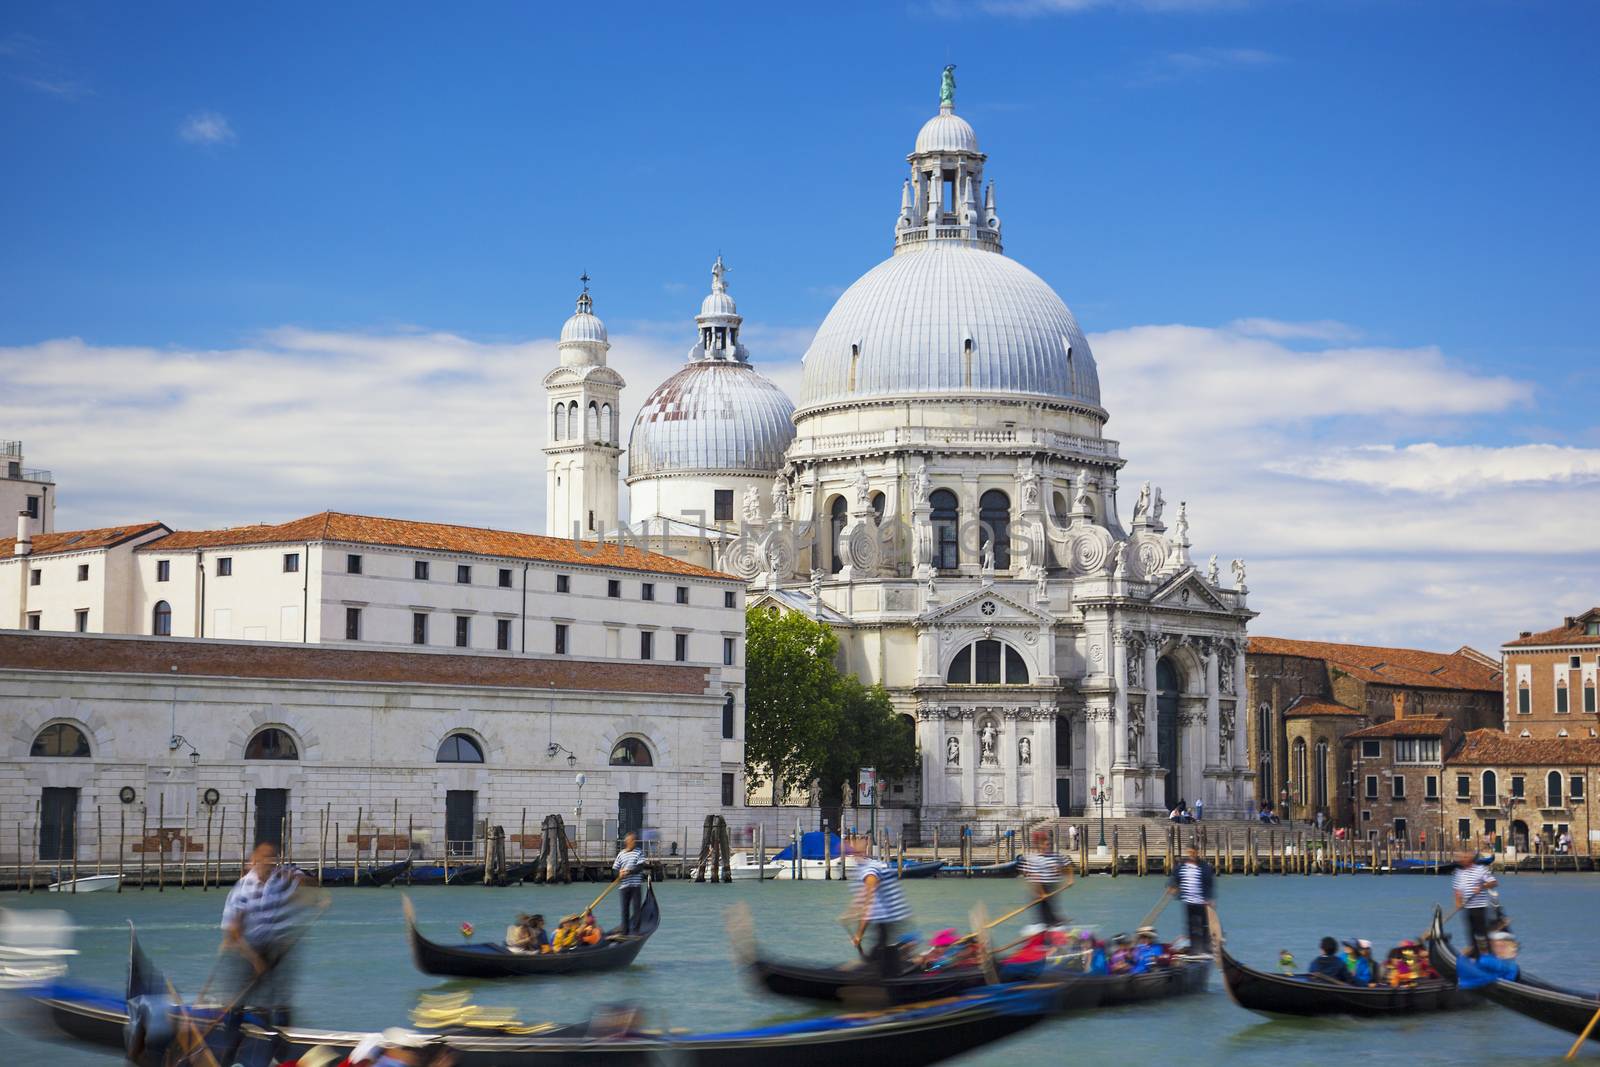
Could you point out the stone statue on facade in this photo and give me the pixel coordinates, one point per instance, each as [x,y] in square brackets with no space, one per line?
[1225,674]
[952,751]
[1119,559]
[863,490]
[1213,575]
[1041,581]
[1238,575]
[1142,505]
[1030,487]
[1025,751]
[1156,504]
[988,738]
[1180,529]
[752,505]
[1135,730]
[1083,501]
[816,586]
[921,486]
[780,499]
[987,558]
[947,86]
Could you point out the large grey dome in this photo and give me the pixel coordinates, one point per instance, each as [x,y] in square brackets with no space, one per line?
[714,415]
[948,320]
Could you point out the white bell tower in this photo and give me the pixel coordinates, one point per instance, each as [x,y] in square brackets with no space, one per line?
[582,454]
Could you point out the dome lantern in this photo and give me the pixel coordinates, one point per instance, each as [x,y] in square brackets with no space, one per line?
[939,202]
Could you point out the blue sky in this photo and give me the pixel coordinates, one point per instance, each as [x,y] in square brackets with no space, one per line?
[1251,198]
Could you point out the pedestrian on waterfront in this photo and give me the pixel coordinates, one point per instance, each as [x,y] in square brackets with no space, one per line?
[1322,819]
[1044,871]
[1194,882]
[881,902]
[256,938]
[1473,881]
[1331,964]
[629,866]
[1200,810]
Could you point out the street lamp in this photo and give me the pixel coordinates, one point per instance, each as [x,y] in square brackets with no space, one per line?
[577,811]
[1097,793]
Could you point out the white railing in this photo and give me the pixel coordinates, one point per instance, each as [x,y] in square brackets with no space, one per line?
[912,436]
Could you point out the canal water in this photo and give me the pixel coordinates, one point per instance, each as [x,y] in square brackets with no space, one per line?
[356,971]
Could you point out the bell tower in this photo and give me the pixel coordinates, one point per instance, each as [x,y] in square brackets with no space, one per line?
[582,455]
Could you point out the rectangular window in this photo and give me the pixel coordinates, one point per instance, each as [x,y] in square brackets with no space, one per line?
[352,624]
[683,594]
[563,583]
[224,566]
[1399,786]
[1574,662]
[729,647]
[1463,829]
[727,789]
[1588,699]
[647,590]
[463,631]
[1561,700]
[727,716]
[1366,816]
[1400,829]
[1463,787]
[419,627]
[163,570]
[463,574]
[35,576]
[1575,787]
[1489,826]
[82,616]
[680,647]
[730,599]
[647,644]
[1519,786]
[1524,705]
[1430,787]
[352,564]
[502,634]
[35,622]
[32,507]
[83,572]
[505,577]
[613,588]
[291,563]
[1372,787]
[1371,749]
[723,505]
[419,570]
[561,639]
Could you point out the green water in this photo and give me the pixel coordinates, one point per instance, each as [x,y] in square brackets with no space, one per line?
[357,973]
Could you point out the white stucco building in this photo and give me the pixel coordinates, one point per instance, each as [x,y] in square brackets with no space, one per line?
[26,491]
[947,500]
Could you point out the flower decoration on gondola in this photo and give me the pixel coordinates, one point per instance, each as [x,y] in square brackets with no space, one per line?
[466,930]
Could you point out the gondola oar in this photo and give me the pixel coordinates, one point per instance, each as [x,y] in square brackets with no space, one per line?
[1155,912]
[605,892]
[981,933]
[1014,912]
[1572,1053]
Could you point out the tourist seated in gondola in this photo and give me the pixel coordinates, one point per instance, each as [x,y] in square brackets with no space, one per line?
[589,932]
[1039,943]
[519,935]
[1148,952]
[947,949]
[566,934]
[1093,953]
[1364,970]
[1331,964]
[1121,958]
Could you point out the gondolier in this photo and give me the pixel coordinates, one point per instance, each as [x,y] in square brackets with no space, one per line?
[1473,880]
[1044,871]
[629,866]
[257,921]
[1195,884]
[881,902]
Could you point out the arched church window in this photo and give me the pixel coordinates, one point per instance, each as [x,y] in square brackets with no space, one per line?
[61,739]
[838,518]
[631,752]
[1063,741]
[1299,770]
[574,420]
[1491,789]
[271,743]
[559,431]
[945,513]
[1320,781]
[1059,511]
[605,424]
[878,503]
[994,526]
[458,748]
[592,426]
[987,662]
[161,619]
[1552,789]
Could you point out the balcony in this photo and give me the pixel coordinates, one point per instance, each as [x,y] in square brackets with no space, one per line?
[16,472]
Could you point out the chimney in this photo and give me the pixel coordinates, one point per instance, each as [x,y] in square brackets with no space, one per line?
[1526,633]
[24,545]
[1399,705]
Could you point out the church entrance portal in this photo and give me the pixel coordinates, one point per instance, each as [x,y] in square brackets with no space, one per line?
[1167,728]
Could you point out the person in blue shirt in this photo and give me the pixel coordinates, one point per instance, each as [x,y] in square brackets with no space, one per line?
[1359,961]
[1331,963]
[1147,953]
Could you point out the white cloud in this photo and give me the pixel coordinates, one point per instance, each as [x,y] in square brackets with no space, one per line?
[207,127]
[1448,470]
[1277,329]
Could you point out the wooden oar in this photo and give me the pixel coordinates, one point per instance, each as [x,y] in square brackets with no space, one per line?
[614,883]
[1572,1053]
[1014,912]
[981,933]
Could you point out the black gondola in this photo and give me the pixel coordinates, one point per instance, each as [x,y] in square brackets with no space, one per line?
[1305,994]
[1564,1009]
[921,869]
[387,874]
[981,870]
[494,960]
[436,874]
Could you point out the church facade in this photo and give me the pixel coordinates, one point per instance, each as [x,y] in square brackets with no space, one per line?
[943,495]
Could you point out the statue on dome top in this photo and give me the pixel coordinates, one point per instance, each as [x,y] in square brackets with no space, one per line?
[947,87]
[719,276]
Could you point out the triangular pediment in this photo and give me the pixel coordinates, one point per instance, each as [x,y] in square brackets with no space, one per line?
[1187,591]
[985,607]
[799,601]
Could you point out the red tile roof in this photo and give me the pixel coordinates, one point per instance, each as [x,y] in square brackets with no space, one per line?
[1570,632]
[52,544]
[1381,665]
[1313,707]
[434,536]
[1488,748]
[1418,727]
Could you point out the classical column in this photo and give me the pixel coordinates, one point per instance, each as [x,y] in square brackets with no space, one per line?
[969,761]
[1240,708]
[1044,758]
[1119,677]
[1151,711]
[1010,791]
[930,737]
[1213,705]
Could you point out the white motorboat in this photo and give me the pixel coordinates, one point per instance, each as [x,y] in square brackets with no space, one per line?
[93,883]
[743,865]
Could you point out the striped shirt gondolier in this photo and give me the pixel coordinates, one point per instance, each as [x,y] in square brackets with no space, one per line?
[1191,883]
[260,907]
[1043,868]
[1471,882]
[631,860]
[889,901]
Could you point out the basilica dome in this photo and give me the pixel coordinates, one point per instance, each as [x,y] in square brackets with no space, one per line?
[948,319]
[947,132]
[584,327]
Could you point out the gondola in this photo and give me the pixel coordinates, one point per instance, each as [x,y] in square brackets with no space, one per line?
[437,874]
[984,870]
[921,869]
[1304,994]
[387,874]
[918,1033]
[860,984]
[1564,1009]
[494,960]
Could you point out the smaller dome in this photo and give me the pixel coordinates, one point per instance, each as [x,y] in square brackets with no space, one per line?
[947,132]
[718,304]
[584,325]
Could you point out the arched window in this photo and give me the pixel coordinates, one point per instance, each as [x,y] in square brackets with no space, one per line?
[1264,781]
[61,739]
[1320,779]
[631,752]
[1299,770]
[1058,508]
[945,511]
[559,431]
[592,427]
[838,518]
[574,421]
[605,423]
[458,748]
[161,619]
[987,662]
[1552,789]
[271,743]
[878,503]
[994,526]
[1491,789]
[727,715]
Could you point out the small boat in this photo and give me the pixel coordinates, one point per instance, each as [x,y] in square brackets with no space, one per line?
[1564,1009]
[385,875]
[92,883]
[987,870]
[491,959]
[517,873]
[437,874]
[742,866]
[917,1033]
[921,869]
[1307,994]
